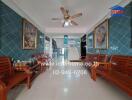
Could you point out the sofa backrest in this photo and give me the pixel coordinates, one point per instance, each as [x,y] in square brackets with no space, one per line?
[91,58]
[5,66]
[129,67]
[120,63]
[102,58]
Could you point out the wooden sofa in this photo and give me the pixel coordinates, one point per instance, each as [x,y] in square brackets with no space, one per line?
[91,58]
[117,71]
[9,77]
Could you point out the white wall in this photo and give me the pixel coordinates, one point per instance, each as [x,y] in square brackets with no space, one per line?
[73,53]
[60,42]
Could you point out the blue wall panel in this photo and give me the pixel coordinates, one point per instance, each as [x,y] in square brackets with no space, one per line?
[119,35]
[11,35]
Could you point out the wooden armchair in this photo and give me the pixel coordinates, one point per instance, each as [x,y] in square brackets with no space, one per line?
[92,58]
[118,71]
[106,66]
[9,77]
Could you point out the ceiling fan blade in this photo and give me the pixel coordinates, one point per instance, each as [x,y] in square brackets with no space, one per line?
[56,18]
[74,23]
[76,15]
[64,11]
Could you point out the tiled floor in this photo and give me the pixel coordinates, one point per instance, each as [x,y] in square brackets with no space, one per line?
[49,86]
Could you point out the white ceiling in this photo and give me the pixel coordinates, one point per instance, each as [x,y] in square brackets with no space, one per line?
[40,12]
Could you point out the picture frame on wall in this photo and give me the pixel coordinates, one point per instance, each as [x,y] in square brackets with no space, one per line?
[29,35]
[101,36]
[90,40]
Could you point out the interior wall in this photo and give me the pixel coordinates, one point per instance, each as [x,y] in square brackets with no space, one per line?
[119,35]
[11,35]
[74,49]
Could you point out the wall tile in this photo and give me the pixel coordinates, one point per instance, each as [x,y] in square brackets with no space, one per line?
[11,35]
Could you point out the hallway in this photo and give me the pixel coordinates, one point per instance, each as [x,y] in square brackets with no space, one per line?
[50,86]
[66,33]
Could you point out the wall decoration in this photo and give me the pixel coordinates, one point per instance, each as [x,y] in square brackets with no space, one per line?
[101,36]
[90,40]
[29,35]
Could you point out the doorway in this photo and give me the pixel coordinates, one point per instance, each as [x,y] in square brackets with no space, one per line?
[83,46]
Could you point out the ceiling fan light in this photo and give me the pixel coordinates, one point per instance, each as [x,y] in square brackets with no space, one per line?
[66,23]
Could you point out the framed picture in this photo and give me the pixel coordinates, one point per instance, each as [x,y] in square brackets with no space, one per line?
[90,40]
[29,35]
[101,36]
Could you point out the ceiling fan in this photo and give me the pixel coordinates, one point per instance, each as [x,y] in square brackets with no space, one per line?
[68,19]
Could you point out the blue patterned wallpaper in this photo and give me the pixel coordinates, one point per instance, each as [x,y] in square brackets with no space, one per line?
[11,35]
[119,34]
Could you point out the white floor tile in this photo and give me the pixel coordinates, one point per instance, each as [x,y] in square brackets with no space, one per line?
[71,87]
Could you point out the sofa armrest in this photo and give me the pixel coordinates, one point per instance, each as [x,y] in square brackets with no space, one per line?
[2,85]
[97,65]
[3,91]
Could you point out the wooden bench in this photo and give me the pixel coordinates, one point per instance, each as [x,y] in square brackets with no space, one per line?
[118,71]
[91,58]
[9,77]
